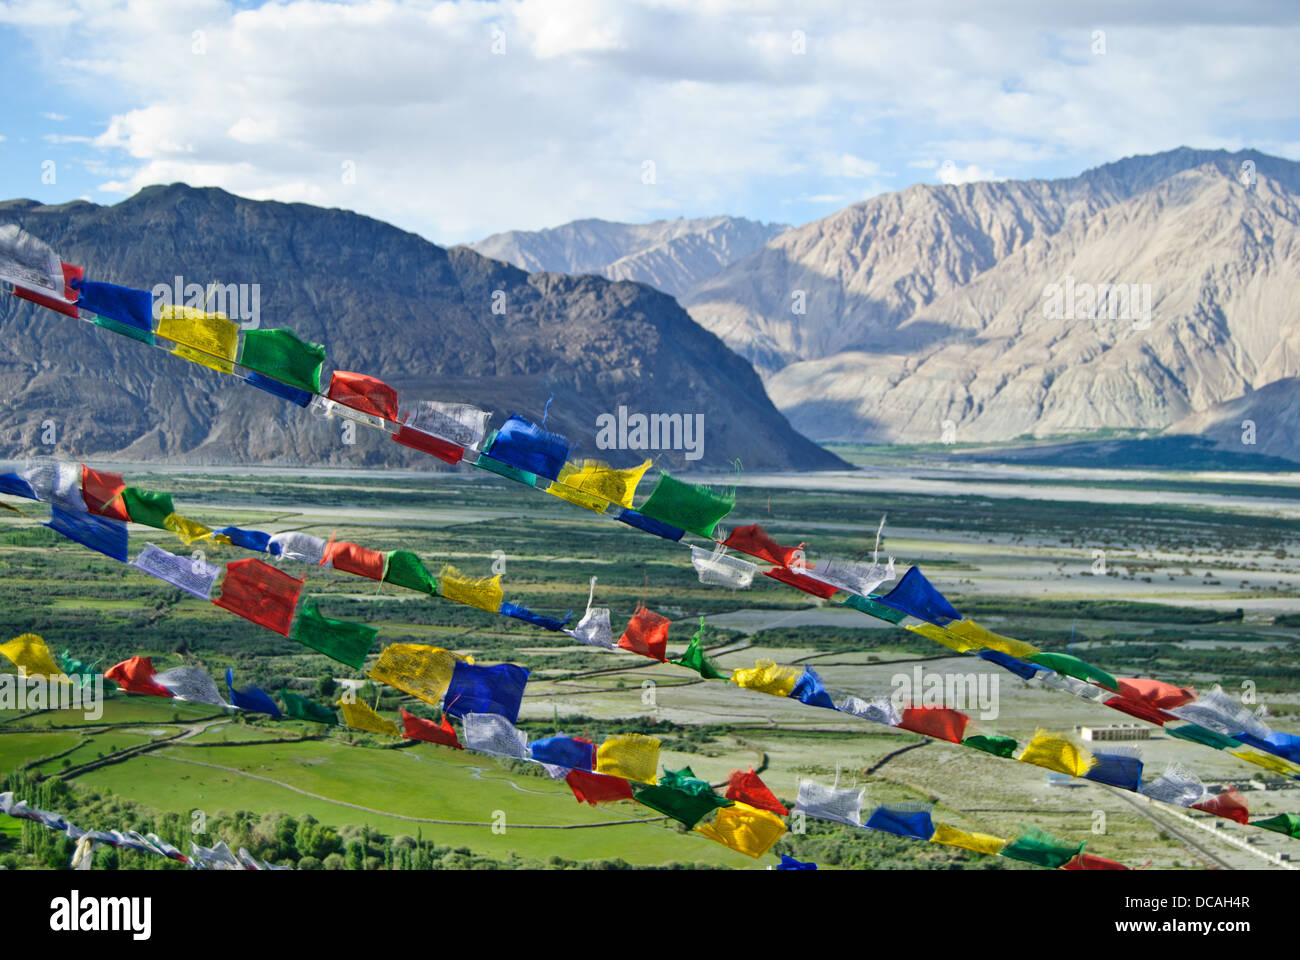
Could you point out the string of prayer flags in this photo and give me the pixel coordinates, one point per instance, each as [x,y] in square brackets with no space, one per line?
[485,593]
[359,716]
[746,787]
[650,525]
[1177,785]
[279,353]
[195,576]
[596,788]
[30,655]
[790,863]
[903,819]
[498,689]
[405,569]
[811,689]
[632,756]
[594,484]
[252,699]
[1072,666]
[524,445]
[493,733]
[101,534]
[208,339]
[339,640]
[516,612]
[719,570]
[978,842]
[917,597]
[745,829]
[458,423]
[1056,753]
[1004,747]
[189,683]
[355,559]
[364,394]
[296,545]
[136,675]
[124,305]
[573,753]
[693,658]
[147,507]
[1117,766]
[1284,823]
[938,722]
[415,668]
[646,634]
[442,732]
[1041,849]
[259,592]
[689,506]
[840,804]
[1229,804]
[757,542]
[300,708]
[766,677]
[802,582]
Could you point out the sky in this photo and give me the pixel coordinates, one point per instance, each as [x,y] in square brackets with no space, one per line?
[458,120]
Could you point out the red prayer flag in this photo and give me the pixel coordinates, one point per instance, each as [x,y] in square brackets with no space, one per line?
[646,634]
[354,558]
[258,592]
[1230,805]
[1155,693]
[797,580]
[54,303]
[1136,708]
[419,440]
[417,728]
[1088,861]
[363,393]
[756,542]
[136,676]
[99,489]
[938,722]
[748,788]
[594,788]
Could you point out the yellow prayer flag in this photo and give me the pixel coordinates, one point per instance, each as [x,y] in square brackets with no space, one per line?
[745,829]
[187,530]
[766,677]
[29,652]
[417,669]
[594,484]
[208,339]
[222,538]
[631,756]
[938,634]
[983,637]
[358,716]
[1268,761]
[979,842]
[1056,753]
[485,593]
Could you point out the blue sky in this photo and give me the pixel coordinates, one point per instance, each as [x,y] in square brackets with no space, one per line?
[456,120]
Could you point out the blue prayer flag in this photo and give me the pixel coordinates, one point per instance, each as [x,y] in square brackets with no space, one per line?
[252,699]
[811,690]
[104,534]
[16,486]
[248,539]
[509,609]
[1021,668]
[130,307]
[790,863]
[565,752]
[497,689]
[902,820]
[1117,769]
[282,390]
[524,445]
[916,597]
[651,525]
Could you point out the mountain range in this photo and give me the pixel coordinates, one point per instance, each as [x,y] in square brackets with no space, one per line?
[435,323]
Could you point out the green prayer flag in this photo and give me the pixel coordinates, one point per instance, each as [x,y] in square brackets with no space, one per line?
[126,330]
[148,506]
[343,641]
[686,781]
[1042,849]
[873,609]
[507,471]
[693,657]
[687,505]
[998,746]
[1287,823]
[1198,734]
[300,708]
[280,354]
[687,808]
[406,570]
[1074,667]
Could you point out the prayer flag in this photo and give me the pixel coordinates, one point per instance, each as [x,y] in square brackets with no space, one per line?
[745,829]
[252,699]
[766,677]
[414,668]
[917,597]
[338,639]
[258,592]
[594,788]
[363,393]
[484,593]
[442,732]
[196,577]
[136,675]
[359,716]
[107,536]
[208,339]
[646,634]
[746,787]
[405,569]
[355,559]
[631,756]
[498,689]
[686,505]
[280,354]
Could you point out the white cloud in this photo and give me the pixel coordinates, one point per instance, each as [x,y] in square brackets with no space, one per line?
[950,173]
[56,117]
[66,138]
